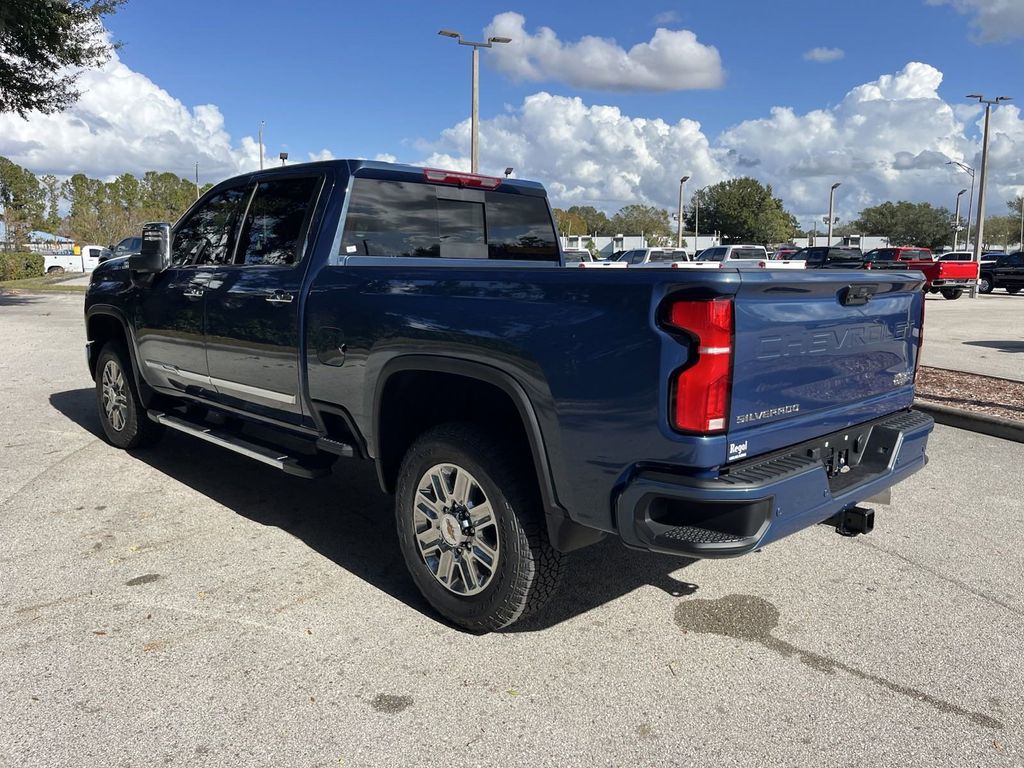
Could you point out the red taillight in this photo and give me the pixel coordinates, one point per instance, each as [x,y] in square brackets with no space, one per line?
[700,397]
[438,176]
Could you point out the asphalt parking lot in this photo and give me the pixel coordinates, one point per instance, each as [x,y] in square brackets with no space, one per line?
[185,606]
[983,335]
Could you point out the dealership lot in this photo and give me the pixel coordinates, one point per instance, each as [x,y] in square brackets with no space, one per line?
[184,605]
[983,335]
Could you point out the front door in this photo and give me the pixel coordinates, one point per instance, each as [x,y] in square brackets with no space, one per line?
[252,304]
[169,323]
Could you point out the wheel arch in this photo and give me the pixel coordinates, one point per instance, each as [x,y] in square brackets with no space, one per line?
[104,323]
[565,534]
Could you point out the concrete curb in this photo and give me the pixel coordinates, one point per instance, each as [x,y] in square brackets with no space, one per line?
[993,426]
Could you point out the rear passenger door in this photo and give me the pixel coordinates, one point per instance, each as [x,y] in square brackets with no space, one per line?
[252,303]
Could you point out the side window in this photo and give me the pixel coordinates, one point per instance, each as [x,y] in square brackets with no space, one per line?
[520,227]
[638,257]
[205,237]
[395,218]
[275,223]
[391,218]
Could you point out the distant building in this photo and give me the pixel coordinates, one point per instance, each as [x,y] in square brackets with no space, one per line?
[606,245]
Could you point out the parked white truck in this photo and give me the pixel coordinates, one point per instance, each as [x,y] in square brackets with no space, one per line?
[86,260]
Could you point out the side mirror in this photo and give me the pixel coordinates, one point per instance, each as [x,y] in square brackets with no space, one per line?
[156,250]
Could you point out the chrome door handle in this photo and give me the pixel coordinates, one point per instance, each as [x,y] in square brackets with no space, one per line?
[280,297]
[193,293]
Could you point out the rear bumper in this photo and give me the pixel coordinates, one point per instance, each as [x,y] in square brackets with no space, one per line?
[769,497]
[952,282]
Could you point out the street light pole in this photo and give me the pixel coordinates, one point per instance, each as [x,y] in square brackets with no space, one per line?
[980,228]
[262,123]
[970,203]
[679,227]
[197,179]
[696,220]
[831,201]
[474,141]
[956,218]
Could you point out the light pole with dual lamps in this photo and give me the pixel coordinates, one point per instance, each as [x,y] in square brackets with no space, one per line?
[474,151]
[679,228]
[979,230]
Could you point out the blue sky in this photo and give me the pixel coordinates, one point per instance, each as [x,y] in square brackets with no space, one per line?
[365,78]
[607,104]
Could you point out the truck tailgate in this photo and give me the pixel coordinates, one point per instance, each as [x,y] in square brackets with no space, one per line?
[819,352]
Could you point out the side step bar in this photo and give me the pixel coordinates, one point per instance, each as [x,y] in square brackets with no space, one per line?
[269,456]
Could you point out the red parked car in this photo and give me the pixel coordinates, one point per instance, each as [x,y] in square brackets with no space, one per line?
[950,278]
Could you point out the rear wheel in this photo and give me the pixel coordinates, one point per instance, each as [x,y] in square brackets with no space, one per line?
[55,271]
[952,293]
[984,284]
[122,414]
[472,530]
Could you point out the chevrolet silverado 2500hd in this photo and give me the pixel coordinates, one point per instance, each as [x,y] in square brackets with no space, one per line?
[421,320]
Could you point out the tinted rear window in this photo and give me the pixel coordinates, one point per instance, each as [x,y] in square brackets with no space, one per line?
[395,218]
[748,253]
[712,254]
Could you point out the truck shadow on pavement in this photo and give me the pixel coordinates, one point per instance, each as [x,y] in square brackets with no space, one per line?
[349,520]
[1002,346]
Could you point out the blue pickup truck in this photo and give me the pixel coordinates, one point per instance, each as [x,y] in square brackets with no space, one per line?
[420,319]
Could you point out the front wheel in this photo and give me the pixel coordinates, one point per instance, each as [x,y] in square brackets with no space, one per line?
[984,284]
[472,530]
[122,414]
[952,293]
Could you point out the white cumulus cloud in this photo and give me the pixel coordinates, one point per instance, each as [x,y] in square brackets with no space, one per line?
[672,60]
[824,55]
[587,154]
[124,122]
[887,139]
[992,20]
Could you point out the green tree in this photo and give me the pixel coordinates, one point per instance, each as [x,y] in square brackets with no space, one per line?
[649,220]
[595,221]
[44,44]
[24,202]
[1001,231]
[906,223]
[569,223]
[52,187]
[744,210]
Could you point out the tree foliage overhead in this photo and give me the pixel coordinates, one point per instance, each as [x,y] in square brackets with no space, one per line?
[744,210]
[43,45]
[906,223]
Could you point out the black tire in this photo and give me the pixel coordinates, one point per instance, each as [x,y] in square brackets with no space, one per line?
[126,426]
[952,293]
[528,567]
[985,284]
[1013,291]
[55,271]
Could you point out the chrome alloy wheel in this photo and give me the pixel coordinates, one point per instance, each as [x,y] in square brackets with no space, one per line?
[115,396]
[456,530]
